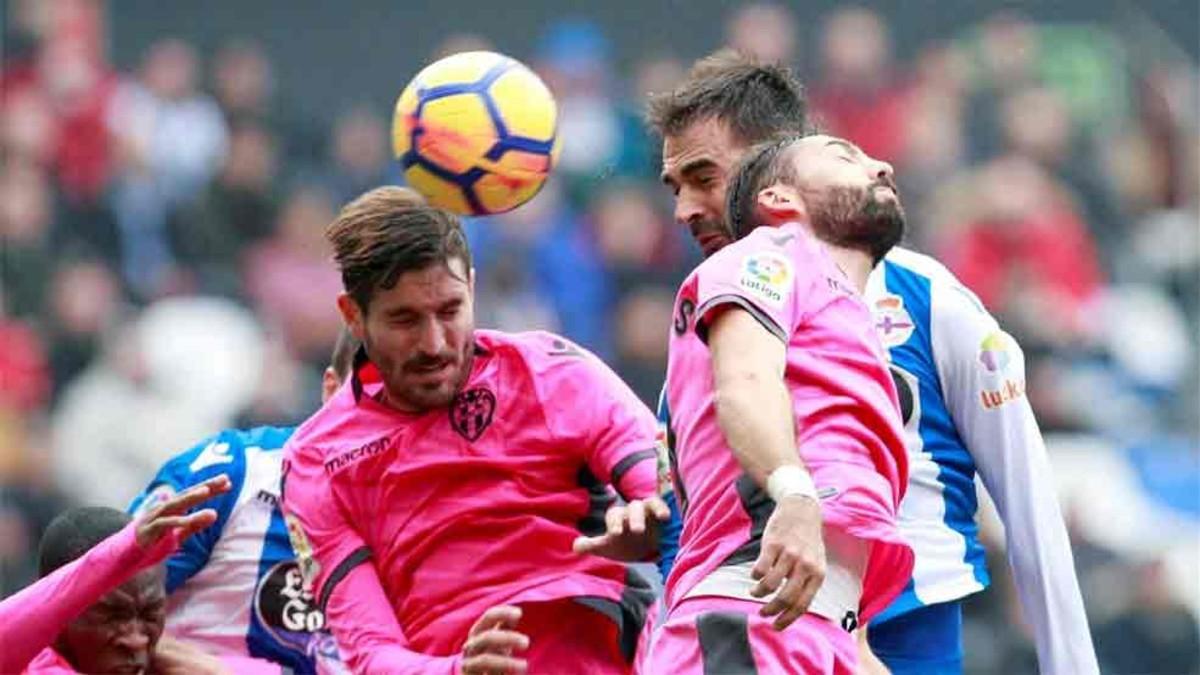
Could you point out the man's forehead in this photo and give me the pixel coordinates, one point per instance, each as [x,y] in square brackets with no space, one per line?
[823,142]
[147,584]
[708,139]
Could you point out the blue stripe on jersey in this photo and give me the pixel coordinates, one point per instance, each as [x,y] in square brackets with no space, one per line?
[956,468]
[668,547]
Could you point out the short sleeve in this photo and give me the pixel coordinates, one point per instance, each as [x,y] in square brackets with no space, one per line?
[759,277]
[327,546]
[590,406]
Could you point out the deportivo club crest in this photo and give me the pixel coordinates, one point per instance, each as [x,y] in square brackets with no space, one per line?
[471,412]
[892,321]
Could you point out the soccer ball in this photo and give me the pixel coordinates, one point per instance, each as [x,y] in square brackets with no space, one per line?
[476,133]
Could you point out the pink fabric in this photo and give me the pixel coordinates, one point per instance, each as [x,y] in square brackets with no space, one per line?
[848,427]
[465,509]
[811,645]
[34,616]
[49,662]
[567,637]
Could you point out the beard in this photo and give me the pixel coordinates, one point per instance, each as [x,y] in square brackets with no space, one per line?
[857,219]
[407,384]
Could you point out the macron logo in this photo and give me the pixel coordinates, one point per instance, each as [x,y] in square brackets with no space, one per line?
[361,452]
[213,454]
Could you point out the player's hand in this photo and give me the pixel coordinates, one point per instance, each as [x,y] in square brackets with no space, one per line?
[491,642]
[170,523]
[792,556]
[632,531]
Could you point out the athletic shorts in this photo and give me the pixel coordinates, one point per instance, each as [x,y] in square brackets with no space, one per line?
[726,636]
[925,641]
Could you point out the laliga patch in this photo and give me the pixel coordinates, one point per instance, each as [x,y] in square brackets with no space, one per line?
[663,462]
[768,277]
[995,352]
[893,324]
[308,565]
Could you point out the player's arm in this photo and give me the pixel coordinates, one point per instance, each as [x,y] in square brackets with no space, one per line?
[984,381]
[754,411]
[372,640]
[336,563]
[34,616]
[592,409]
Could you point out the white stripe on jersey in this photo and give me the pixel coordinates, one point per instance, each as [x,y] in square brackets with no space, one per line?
[200,610]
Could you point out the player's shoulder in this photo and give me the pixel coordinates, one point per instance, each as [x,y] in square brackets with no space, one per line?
[214,454]
[537,348]
[221,453]
[949,298]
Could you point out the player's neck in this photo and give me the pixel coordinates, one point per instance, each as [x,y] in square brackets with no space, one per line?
[856,265]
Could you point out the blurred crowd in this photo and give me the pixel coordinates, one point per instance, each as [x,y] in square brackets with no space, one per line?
[165,275]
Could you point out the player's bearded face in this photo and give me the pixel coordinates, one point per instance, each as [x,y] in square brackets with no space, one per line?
[866,218]
[419,334]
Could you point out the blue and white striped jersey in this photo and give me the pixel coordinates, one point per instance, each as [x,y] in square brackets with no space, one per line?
[235,587]
[961,382]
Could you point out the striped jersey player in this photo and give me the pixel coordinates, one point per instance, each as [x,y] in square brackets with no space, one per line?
[961,382]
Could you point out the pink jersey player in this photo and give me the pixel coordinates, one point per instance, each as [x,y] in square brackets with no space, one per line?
[848,434]
[456,510]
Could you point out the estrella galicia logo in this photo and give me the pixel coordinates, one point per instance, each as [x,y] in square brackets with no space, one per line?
[472,412]
[286,609]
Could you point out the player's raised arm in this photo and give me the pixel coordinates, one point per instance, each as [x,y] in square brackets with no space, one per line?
[984,379]
[754,412]
[32,617]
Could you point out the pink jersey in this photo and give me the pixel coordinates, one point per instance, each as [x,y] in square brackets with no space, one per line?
[461,509]
[848,428]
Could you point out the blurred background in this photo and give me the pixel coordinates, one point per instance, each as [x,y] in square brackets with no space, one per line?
[169,168]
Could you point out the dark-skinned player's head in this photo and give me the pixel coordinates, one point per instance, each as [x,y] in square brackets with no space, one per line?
[728,102]
[409,287]
[119,632]
[848,197]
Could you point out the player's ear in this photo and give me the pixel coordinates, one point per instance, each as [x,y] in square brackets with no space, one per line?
[329,383]
[778,204]
[351,315]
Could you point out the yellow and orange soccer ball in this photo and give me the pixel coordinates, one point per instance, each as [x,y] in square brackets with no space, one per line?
[476,133]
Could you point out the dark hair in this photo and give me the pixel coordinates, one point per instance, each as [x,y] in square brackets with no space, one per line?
[757,100]
[75,532]
[387,232]
[342,359]
[761,167]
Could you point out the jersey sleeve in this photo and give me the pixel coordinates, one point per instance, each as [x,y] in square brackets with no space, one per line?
[368,634]
[220,454]
[326,543]
[591,408]
[982,372]
[757,276]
